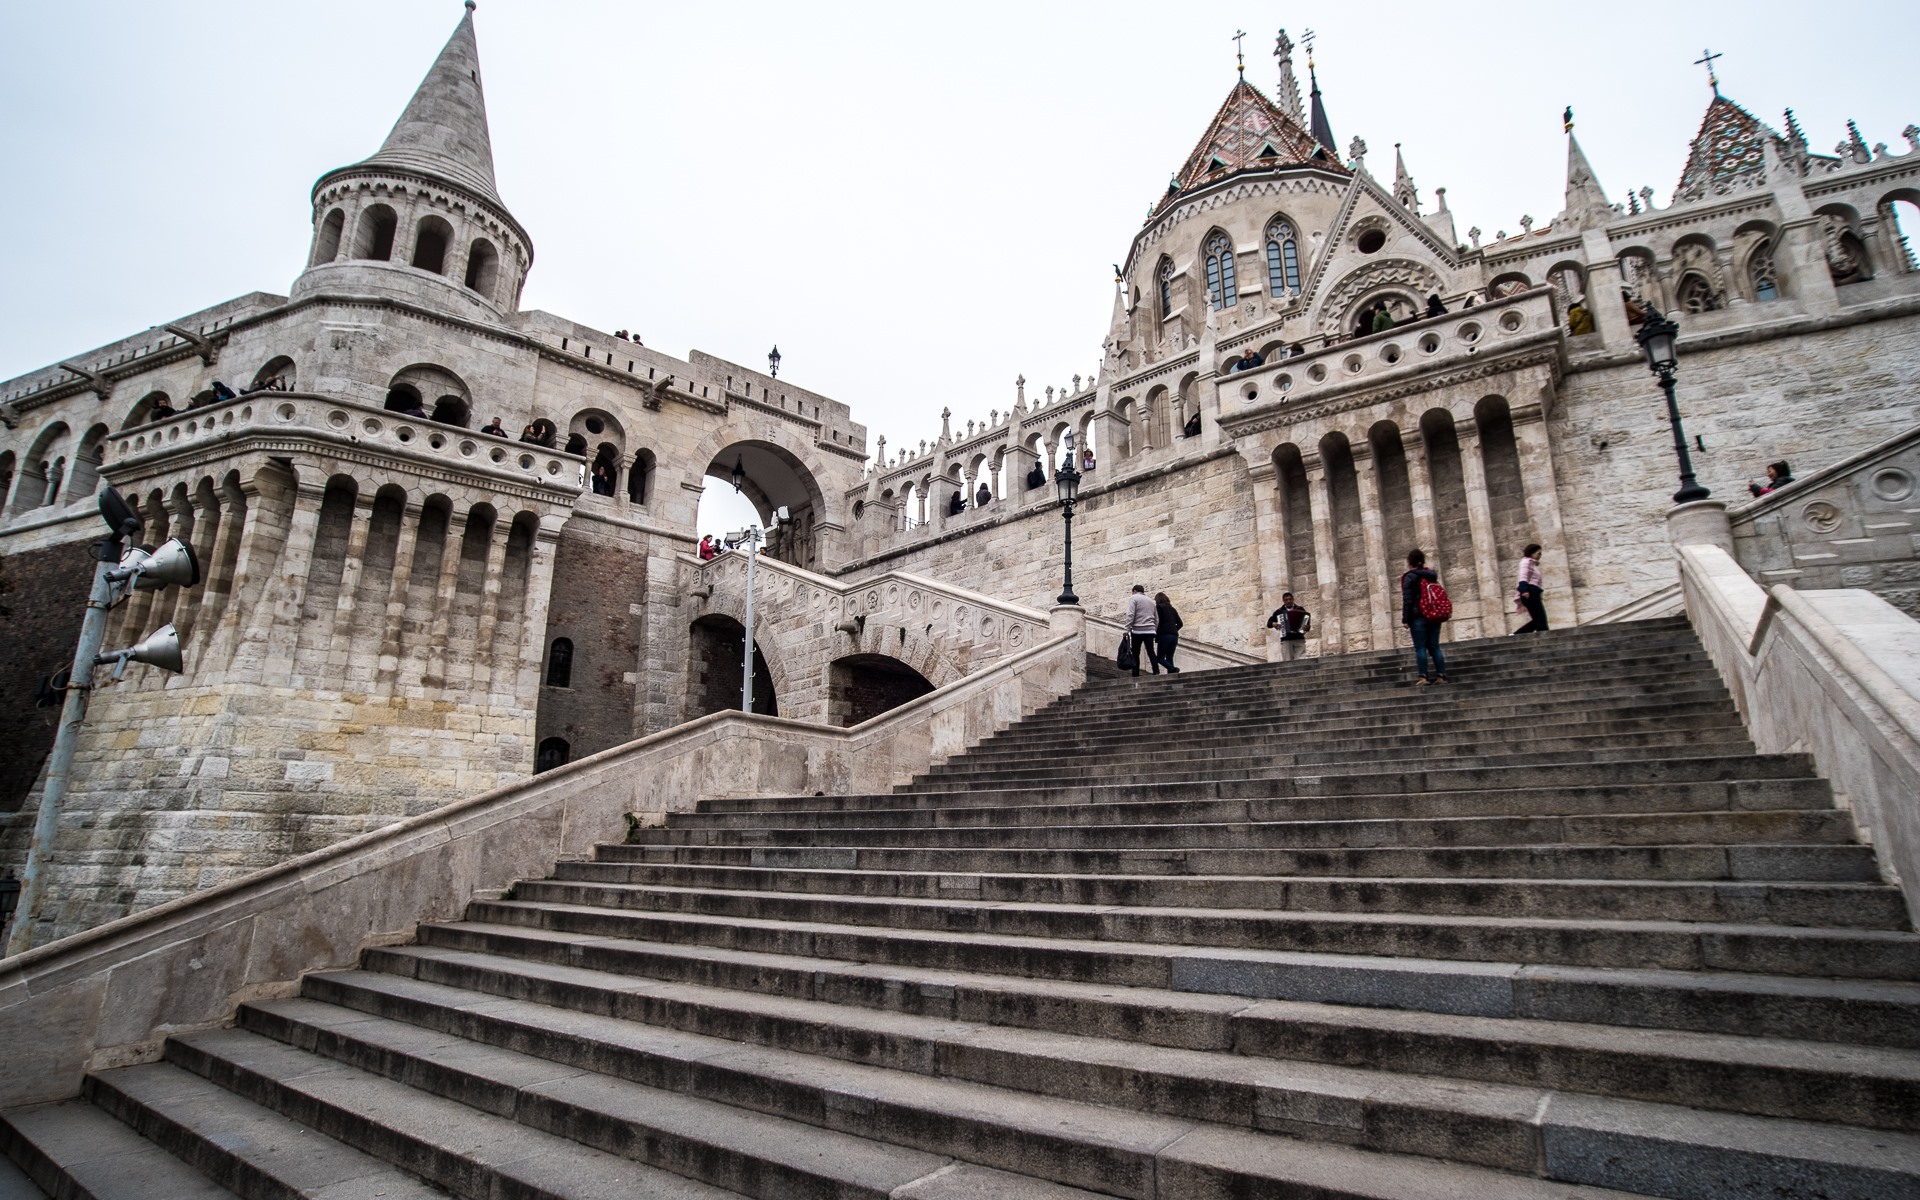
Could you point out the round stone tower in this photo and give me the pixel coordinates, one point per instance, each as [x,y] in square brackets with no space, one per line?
[421,220]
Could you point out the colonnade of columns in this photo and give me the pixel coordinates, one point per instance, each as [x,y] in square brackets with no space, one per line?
[1476,490]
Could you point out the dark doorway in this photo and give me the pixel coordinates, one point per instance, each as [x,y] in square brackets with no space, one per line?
[714,646]
[862,686]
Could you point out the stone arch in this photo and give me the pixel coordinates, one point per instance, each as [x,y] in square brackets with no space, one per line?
[729,602]
[1340,303]
[1296,515]
[1395,491]
[928,656]
[1152,425]
[1280,242]
[861,687]
[1506,492]
[977,475]
[437,392]
[778,474]
[373,235]
[1640,276]
[1056,444]
[276,374]
[1084,430]
[1509,283]
[1569,280]
[1440,440]
[143,411]
[483,269]
[326,242]
[640,476]
[38,478]
[84,477]
[1846,244]
[1900,225]
[599,426]
[1754,271]
[432,238]
[1218,260]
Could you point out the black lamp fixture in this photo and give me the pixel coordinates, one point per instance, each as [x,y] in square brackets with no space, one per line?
[739,474]
[1066,482]
[773,362]
[1658,337]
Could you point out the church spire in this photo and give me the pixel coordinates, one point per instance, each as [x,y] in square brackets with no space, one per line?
[443,131]
[1585,196]
[1320,127]
[1288,95]
[1404,192]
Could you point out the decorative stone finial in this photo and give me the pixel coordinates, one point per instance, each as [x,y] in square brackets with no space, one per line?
[1076,385]
[1646,198]
[1049,394]
[1473,235]
[471,5]
[946,432]
[1357,151]
[1912,134]
[1526,225]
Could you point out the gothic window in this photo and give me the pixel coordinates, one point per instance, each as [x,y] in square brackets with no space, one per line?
[327,247]
[1760,272]
[1696,295]
[560,665]
[1221,290]
[1283,259]
[430,245]
[483,267]
[1166,288]
[553,752]
[374,238]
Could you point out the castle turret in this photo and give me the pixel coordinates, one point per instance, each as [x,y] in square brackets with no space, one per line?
[422,218]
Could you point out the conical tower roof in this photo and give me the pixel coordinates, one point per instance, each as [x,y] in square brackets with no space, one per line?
[1249,132]
[443,132]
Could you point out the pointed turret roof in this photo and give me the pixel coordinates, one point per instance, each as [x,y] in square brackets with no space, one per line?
[1585,196]
[1731,143]
[1249,132]
[1322,128]
[443,132]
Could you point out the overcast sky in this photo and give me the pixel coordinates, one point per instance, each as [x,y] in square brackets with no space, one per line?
[916,202]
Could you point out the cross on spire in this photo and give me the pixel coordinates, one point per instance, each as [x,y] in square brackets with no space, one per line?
[1239,56]
[1706,60]
[1306,39]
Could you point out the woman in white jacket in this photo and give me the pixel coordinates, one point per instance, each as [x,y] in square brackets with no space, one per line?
[1143,623]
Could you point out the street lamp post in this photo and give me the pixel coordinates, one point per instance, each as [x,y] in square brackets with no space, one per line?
[1656,337]
[1066,482]
[773,362]
[750,537]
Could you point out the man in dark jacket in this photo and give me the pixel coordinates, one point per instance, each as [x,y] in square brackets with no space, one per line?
[1293,622]
[1426,633]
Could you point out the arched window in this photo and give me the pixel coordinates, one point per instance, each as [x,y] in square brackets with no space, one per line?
[1221,290]
[483,267]
[1283,259]
[430,245]
[560,665]
[374,237]
[1760,272]
[1166,288]
[639,475]
[1695,295]
[452,410]
[405,398]
[326,247]
[553,752]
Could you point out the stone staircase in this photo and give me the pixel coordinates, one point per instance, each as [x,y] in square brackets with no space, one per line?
[1549,930]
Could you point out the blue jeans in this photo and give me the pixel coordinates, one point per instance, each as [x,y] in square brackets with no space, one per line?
[1168,641]
[1426,640]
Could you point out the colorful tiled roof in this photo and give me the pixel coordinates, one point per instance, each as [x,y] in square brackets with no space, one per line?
[1250,132]
[1731,143]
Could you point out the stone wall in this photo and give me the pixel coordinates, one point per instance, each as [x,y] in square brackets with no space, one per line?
[598,569]
[43,594]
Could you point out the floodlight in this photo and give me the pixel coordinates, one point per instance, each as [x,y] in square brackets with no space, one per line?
[117,513]
[149,570]
[160,649]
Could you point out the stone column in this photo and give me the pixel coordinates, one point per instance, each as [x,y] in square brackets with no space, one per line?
[1426,527]
[443,595]
[259,534]
[1373,528]
[1326,618]
[192,606]
[1270,538]
[1541,485]
[660,689]
[533,635]
[216,594]
[360,525]
[1603,291]
[1801,260]
[288,594]
[171,606]
[404,543]
[490,601]
[1486,551]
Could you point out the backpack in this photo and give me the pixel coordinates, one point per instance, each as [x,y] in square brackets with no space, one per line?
[1434,604]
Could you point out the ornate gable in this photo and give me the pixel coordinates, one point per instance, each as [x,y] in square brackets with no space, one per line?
[1249,132]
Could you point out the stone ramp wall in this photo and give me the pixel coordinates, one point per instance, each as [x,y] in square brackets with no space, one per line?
[111,995]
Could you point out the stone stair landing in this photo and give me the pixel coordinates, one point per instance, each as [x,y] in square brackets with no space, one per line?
[1550,930]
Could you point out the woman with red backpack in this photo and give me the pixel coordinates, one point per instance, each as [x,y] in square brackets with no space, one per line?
[1424,607]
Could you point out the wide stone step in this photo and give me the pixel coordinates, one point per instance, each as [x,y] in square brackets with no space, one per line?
[244,1147]
[1851,906]
[1670,945]
[1824,826]
[1786,863]
[1740,795]
[74,1150]
[1425,779]
[503,1123]
[14,1184]
[1165,994]
[958,1088]
[1370,1051]
[727,1098]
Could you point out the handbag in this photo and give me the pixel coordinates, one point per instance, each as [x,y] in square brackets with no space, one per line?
[1128,659]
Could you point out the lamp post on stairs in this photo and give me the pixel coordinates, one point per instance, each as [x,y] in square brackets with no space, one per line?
[1066,481]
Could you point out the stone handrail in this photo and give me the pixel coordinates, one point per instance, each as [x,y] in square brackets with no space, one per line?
[110,996]
[1103,637]
[1821,672]
[329,420]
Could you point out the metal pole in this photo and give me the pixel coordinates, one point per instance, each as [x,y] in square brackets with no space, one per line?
[746,668]
[1690,489]
[1066,592]
[93,630]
